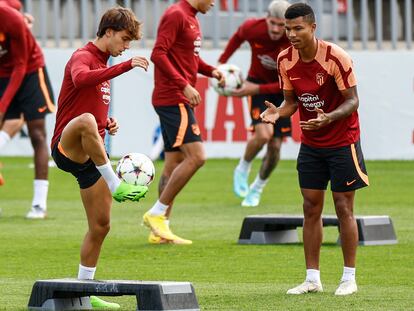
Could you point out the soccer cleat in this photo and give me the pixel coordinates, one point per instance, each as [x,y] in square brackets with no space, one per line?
[346,288]
[240,186]
[98,303]
[153,239]
[1,180]
[158,226]
[36,212]
[305,287]
[252,199]
[129,192]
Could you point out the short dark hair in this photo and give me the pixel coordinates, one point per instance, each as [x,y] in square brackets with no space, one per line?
[300,10]
[119,19]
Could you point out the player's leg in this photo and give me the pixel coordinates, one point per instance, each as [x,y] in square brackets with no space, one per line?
[80,141]
[348,174]
[269,163]
[313,179]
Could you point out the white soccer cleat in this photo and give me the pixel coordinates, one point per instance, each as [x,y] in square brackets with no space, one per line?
[306,287]
[36,212]
[252,198]
[346,288]
[240,186]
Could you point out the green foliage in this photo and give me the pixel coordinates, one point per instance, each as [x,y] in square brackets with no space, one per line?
[226,276]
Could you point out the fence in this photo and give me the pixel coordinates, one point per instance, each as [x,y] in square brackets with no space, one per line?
[361,24]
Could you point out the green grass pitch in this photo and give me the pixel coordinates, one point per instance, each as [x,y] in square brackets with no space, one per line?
[226,276]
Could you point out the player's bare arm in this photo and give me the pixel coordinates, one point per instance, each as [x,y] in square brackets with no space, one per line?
[248,89]
[192,95]
[286,109]
[350,105]
[139,61]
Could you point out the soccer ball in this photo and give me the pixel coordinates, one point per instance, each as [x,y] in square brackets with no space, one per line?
[233,77]
[136,169]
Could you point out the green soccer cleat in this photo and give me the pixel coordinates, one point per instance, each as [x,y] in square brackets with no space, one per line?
[99,304]
[129,192]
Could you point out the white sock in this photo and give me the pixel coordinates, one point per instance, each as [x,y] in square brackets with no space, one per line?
[4,138]
[348,275]
[86,273]
[109,175]
[244,166]
[40,188]
[313,275]
[259,183]
[158,209]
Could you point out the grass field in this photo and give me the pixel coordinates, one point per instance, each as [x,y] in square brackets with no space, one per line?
[226,276]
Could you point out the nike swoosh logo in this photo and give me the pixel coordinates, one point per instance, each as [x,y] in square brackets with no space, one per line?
[293,79]
[42,109]
[348,183]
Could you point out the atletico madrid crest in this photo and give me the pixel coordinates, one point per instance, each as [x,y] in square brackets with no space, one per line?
[320,78]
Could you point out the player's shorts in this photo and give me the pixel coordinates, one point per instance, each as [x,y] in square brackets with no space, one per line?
[283,126]
[343,166]
[178,126]
[34,99]
[86,173]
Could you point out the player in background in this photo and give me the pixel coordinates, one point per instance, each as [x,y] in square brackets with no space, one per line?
[81,121]
[266,37]
[318,78]
[25,91]
[177,62]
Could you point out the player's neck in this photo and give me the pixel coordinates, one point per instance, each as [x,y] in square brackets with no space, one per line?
[308,53]
[101,44]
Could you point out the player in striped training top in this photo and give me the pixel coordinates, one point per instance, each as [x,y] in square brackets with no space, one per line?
[318,79]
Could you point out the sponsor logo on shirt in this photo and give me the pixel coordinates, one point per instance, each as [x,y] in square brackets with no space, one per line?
[310,101]
[106,93]
[197,46]
[267,62]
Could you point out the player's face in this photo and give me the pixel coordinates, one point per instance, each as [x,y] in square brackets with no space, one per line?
[300,32]
[119,41]
[275,27]
[203,6]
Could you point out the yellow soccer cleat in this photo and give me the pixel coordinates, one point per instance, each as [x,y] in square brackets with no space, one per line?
[158,226]
[153,239]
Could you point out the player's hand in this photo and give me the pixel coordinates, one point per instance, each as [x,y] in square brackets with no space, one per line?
[217,74]
[192,95]
[247,89]
[271,114]
[112,126]
[315,124]
[140,61]
[29,20]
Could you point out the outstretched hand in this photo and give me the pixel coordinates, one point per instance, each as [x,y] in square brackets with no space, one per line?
[247,89]
[321,120]
[271,114]
[217,74]
[140,61]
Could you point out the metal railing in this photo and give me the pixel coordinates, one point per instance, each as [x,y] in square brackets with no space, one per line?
[356,24]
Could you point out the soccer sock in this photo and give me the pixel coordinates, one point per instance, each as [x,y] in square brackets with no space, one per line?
[40,188]
[244,166]
[109,175]
[86,273]
[348,275]
[259,183]
[4,138]
[313,275]
[158,209]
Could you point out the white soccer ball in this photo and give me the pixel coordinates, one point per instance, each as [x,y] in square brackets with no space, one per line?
[233,77]
[136,169]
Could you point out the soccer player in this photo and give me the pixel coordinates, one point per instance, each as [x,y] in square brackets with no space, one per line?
[81,121]
[24,90]
[266,37]
[318,78]
[177,62]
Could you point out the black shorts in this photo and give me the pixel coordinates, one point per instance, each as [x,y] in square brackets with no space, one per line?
[343,166]
[178,126]
[86,174]
[34,99]
[283,126]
